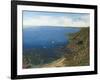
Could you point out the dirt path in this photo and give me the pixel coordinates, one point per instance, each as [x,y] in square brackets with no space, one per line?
[57,63]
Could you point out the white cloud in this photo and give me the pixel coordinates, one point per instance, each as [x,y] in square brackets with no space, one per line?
[56,21]
[84,22]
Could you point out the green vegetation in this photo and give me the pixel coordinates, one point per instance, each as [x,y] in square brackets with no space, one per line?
[79,49]
[35,58]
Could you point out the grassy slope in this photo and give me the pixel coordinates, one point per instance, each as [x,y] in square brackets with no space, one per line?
[79,44]
[79,51]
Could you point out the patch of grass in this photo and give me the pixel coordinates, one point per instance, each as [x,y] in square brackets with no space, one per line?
[79,46]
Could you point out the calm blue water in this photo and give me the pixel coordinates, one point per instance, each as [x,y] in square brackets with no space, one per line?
[46,37]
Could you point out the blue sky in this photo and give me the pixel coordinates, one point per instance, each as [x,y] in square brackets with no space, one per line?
[36,18]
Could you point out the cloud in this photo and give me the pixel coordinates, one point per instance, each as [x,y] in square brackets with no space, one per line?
[64,21]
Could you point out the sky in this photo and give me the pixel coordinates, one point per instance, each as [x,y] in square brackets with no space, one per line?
[60,19]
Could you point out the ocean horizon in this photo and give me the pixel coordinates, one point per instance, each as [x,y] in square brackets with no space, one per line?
[46,37]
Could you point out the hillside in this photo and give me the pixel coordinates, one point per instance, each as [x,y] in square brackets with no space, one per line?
[76,53]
